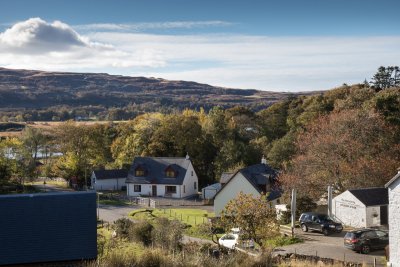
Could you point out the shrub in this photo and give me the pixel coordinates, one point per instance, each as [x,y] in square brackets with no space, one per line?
[123,227]
[141,232]
[167,234]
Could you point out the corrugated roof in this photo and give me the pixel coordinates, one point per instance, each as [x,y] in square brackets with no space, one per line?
[372,196]
[155,170]
[225,176]
[47,227]
[110,174]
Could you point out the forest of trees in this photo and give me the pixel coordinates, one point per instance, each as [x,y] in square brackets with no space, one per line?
[348,137]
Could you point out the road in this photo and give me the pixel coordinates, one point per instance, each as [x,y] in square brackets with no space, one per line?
[330,247]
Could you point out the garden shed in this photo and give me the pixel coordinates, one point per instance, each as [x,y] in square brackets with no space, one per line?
[358,208]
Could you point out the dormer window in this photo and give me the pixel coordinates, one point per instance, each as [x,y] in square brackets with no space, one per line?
[139,172]
[170,172]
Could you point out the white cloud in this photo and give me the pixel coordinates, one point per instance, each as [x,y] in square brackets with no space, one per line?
[136,27]
[239,61]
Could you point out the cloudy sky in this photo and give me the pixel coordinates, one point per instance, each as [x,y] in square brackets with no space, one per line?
[286,45]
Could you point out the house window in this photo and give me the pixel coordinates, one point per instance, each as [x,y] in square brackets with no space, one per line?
[139,172]
[195,185]
[192,173]
[184,188]
[170,189]
[137,188]
[170,173]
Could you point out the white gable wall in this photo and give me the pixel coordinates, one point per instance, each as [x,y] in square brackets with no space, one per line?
[188,188]
[394,223]
[349,210]
[237,184]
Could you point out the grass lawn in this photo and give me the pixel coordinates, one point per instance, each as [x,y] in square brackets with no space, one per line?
[114,202]
[194,218]
[191,217]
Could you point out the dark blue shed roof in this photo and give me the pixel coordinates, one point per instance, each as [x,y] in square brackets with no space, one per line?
[47,227]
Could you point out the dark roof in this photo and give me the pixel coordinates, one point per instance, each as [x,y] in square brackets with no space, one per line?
[397,176]
[372,196]
[259,175]
[47,227]
[154,169]
[110,174]
[225,176]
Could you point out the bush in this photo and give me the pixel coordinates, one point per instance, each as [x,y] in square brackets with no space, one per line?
[123,227]
[167,234]
[141,232]
[155,258]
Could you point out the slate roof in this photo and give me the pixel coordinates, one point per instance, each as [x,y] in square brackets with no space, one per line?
[110,174]
[259,175]
[47,227]
[155,168]
[372,196]
[225,176]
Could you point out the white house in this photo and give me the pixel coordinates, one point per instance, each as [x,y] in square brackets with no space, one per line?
[210,191]
[162,177]
[255,179]
[393,187]
[362,207]
[109,179]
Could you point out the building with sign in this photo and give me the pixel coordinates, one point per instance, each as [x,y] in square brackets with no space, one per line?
[358,208]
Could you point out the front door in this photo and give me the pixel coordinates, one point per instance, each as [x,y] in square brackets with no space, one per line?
[384,215]
[154,191]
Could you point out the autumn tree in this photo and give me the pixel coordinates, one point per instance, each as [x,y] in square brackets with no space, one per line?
[350,149]
[253,215]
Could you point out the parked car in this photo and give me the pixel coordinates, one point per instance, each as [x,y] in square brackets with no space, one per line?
[319,222]
[365,240]
[229,240]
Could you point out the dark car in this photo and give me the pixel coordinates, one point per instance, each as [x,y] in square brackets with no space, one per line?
[365,240]
[319,222]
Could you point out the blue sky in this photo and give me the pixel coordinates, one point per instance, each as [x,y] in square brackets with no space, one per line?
[267,45]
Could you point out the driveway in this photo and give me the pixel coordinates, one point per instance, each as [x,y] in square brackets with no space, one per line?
[330,247]
[110,214]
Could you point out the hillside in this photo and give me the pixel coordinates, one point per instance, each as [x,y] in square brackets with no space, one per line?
[22,91]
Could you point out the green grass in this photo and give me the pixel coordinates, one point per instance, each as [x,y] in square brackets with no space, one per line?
[194,218]
[191,217]
[281,241]
[114,202]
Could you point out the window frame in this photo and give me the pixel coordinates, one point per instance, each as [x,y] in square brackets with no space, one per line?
[137,186]
[168,189]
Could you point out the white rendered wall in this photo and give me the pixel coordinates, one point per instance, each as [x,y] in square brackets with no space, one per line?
[231,190]
[349,210]
[394,223]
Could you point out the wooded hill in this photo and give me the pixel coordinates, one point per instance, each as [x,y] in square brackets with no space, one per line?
[40,95]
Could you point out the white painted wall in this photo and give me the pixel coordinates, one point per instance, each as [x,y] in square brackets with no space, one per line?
[230,191]
[349,210]
[189,181]
[394,223]
[107,184]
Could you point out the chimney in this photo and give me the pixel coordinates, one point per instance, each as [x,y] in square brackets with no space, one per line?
[263,160]
[187,156]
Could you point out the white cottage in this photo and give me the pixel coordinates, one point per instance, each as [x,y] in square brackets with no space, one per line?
[361,207]
[255,179]
[393,187]
[162,177]
[109,179]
